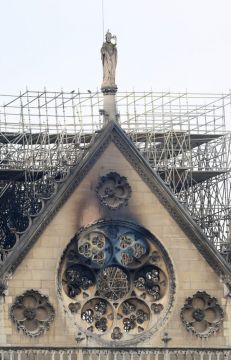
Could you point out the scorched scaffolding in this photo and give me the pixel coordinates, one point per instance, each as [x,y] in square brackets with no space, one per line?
[183,137]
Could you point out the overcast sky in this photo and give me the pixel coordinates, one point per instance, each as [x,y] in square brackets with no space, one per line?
[162,44]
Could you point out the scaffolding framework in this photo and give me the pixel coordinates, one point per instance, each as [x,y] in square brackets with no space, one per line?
[182,135]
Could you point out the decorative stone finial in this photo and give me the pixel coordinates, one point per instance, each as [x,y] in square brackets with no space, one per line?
[166,338]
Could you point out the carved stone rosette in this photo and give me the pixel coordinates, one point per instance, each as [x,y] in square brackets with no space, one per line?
[113,190]
[32,313]
[202,314]
[116,282]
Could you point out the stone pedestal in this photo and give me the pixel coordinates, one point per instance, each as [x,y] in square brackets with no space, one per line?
[110,111]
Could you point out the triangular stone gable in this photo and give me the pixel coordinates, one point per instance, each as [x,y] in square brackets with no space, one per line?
[113,133]
[38,269]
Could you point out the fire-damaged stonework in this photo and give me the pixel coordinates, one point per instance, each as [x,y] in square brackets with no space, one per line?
[117,277]
[113,190]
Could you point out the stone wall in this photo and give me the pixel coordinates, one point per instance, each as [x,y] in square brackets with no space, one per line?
[39,268]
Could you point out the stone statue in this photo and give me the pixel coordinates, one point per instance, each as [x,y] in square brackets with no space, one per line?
[109,61]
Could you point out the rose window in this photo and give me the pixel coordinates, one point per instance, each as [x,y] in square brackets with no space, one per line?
[116,281]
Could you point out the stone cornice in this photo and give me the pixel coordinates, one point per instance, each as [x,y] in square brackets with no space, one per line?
[118,349]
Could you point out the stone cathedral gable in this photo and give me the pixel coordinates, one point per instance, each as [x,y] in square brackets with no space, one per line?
[115,259]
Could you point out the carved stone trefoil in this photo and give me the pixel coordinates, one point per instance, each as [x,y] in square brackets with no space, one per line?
[202,314]
[116,334]
[32,313]
[113,190]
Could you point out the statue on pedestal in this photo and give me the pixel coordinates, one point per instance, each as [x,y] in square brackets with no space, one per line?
[109,61]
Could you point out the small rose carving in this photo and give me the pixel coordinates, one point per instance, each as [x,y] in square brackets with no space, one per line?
[32,313]
[113,190]
[202,314]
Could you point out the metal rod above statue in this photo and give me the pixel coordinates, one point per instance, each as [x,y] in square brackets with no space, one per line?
[109,87]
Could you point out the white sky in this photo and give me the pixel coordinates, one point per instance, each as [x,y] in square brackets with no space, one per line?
[162,44]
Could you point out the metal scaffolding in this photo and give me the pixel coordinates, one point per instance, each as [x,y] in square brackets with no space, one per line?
[182,135]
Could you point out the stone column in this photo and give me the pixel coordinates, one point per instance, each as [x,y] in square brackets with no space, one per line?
[109,104]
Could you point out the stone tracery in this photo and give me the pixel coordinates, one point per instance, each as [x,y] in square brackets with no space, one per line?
[202,314]
[128,293]
[32,313]
[113,283]
[113,190]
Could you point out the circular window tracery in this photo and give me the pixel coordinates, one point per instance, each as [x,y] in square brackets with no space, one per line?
[133,315]
[131,249]
[97,315]
[116,281]
[96,248]
[78,278]
[113,283]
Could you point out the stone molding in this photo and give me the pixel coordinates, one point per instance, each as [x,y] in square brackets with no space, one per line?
[169,353]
